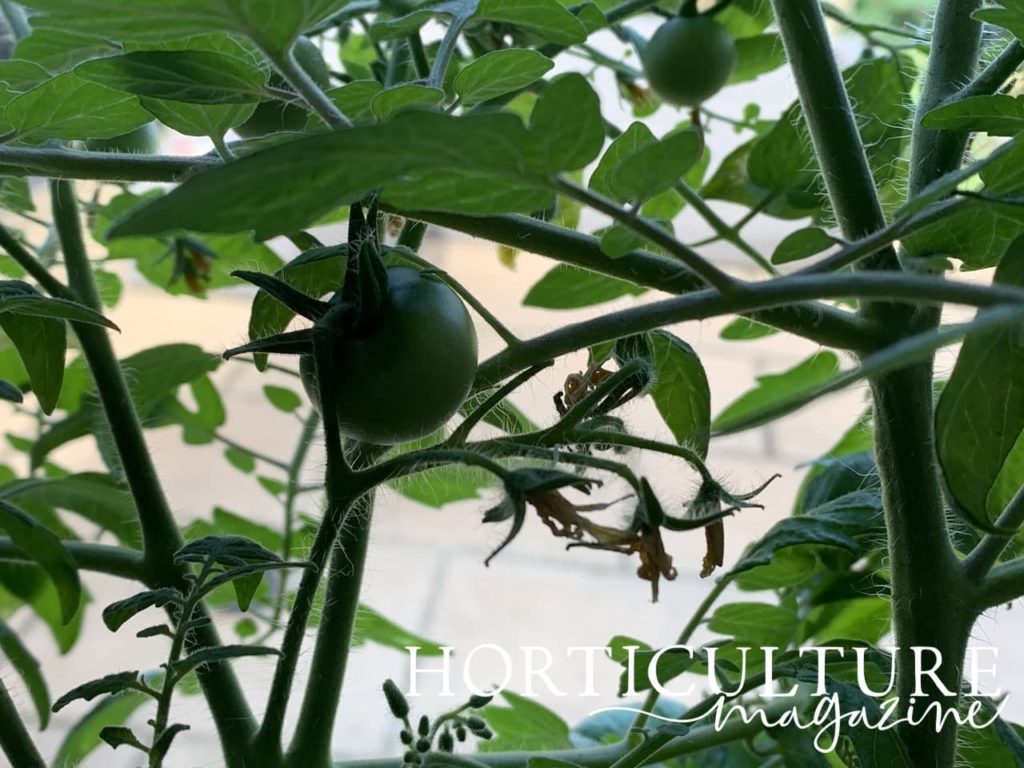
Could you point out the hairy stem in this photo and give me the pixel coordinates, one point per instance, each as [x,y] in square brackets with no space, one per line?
[311,745]
[14,738]
[985,554]
[160,534]
[702,305]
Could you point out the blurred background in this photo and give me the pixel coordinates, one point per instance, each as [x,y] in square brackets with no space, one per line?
[425,569]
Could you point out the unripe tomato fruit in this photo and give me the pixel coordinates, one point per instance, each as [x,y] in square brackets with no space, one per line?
[410,374]
[142,140]
[689,59]
[273,116]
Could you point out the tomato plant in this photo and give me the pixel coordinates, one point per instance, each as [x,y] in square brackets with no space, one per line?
[841,222]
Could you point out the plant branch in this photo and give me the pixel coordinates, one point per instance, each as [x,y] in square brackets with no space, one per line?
[101,558]
[995,75]
[830,119]
[30,264]
[14,738]
[702,305]
[311,744]
[99,166]
[984,555]
[1004,584]
[822,324]
[161,537]
[292,71]
[707,271]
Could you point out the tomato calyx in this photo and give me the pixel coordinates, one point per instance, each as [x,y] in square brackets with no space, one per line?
[351,312]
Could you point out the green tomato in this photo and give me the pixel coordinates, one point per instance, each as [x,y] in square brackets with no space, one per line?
[410,374]
[689,59]
[142,140]
[274,116]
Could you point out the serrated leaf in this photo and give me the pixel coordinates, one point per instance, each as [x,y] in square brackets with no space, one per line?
[980,414]
[628,142]
[373,627]
[68,107]
[230,551]
[482,163]
[548,19]
[499,72]
[571,138]
[409,95]
[116,614]
[568,287]
[996,115]
[48,552]
[657,166]
[273,23]
[115,683]
[681,391]
[802,244]
[120,736]
[196,77]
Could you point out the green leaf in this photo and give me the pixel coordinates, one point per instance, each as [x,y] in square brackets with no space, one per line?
[524,725]
[215,655]
[499,72]
[980,414]
[57,49]
[997,115]
[68,107]
[681,391]
[196,77]
[40,544]
[774,388]
[391,101]
[84,735]
[115,683]
[282,398]
[273,23]
[744,329]
[602,180]
[28,669]
[568,287]
[444,485]
[548,19]
[41,343]
[571,138]
[657,166]
[1008,14]
[96,497]
[476,164]
[240,460]
[18,298]
[801,244]
[372,627]
[227,550]
[755,56]
[119,736]
[116,614]
[761,622]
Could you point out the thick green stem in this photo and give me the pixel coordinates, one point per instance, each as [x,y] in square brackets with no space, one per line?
[930,595]
[825,325]
[101,558]
[1004,584]
[160,534]
[702,305]
[14,738]
[267,747]
[311,745]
